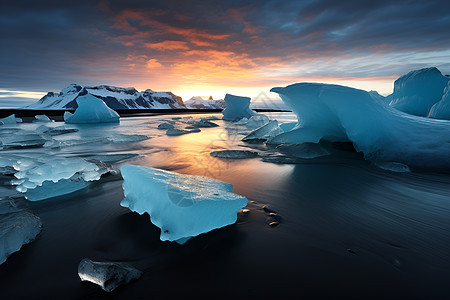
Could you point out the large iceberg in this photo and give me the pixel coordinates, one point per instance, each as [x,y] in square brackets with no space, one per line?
[92,110]
[382,133]
[416,92]
[237,107]
[17,227]
[441,109]
[182,206]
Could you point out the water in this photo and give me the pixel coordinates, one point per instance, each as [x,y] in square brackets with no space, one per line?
[347,229]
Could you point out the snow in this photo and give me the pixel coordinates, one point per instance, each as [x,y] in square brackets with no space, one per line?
[264,132]
[200,103]
[237,107]
[92,110]
[17,227]
[114,97]
[441,109]
[416,92]
[234,154]
[182,206]
[108,275]
[8,120]
[382,133]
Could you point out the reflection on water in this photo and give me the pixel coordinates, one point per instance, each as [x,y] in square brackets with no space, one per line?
[348,228]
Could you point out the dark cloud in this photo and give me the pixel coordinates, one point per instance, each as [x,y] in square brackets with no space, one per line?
[47,44]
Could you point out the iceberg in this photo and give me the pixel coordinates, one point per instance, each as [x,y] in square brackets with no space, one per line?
[416,92]
[236,108]
[441,109]
[91,110]
[382,133]
[108,275]
[41,118]
[182,206]
[17,227]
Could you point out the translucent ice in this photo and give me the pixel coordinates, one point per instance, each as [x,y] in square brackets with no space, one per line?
[17,227]
[8,120]
[265,132]
[182,206]
[108,275]
[91,110]
[382,133]
[416,92]
[42,118]
[441,110]
[236,108]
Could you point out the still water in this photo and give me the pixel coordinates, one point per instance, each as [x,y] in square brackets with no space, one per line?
[348,229]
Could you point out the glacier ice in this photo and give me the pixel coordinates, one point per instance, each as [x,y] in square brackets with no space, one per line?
[17,227]
[416,92]
[382,133]
[41,118]
[441,109]
[92,110]
[254,121]
[264,132]
[8,120]
[22,139]
[45,176]
[108,275]
[303,150]
[234,154]
[182,206]
[237,107]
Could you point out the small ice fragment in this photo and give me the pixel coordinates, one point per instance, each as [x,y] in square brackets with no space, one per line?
[234,154]
[265,132]
[41,118]
[108,275]
[8,120]
[166,126]
[393,167]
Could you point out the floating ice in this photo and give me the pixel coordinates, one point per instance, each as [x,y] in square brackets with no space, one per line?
[22,139]
[91,110]
[303,150]
[45,177]
[265,132]
[441,109]
[126,138]
[338,113]
[41,118]
[108,275]
[166,125]
[17,227]
[254,121]
[393,167]
[203,123]
[9,120]
[182,206]
[236,108]
[416,92]
[175,131]
[234,154]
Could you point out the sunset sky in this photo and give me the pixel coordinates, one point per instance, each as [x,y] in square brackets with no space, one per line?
[202,48]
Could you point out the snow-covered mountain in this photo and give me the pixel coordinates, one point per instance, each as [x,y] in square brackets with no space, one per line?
[200,103]
[114,97]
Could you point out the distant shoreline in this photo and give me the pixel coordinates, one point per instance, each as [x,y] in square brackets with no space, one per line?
[57,114]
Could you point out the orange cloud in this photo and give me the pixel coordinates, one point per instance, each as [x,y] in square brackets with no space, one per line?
[153,64]
[168,45]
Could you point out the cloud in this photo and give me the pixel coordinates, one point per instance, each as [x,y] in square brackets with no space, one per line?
[153,64]
[168,45]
